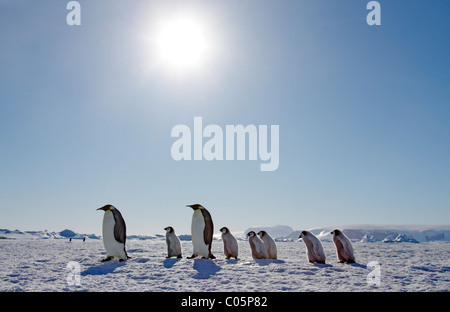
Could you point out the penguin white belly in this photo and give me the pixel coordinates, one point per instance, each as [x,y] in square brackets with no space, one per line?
[113,247]
[198,241]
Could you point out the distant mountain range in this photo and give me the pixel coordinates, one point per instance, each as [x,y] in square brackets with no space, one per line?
[362,233]
[69,234]
[64,234]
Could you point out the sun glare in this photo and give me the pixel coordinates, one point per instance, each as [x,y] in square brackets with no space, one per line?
[182,43]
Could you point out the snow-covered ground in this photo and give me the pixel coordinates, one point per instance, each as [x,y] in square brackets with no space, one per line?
[53,264]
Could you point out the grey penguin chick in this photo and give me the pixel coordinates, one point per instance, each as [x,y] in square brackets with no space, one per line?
[257,246]
[173,243]
[230,245]
[271,247]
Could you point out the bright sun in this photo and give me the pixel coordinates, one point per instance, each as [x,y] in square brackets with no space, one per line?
[182,43]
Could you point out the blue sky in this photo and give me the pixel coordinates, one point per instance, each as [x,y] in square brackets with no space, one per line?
[86,114]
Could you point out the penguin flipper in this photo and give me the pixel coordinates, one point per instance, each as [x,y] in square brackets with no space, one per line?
[119,227]
[209,227]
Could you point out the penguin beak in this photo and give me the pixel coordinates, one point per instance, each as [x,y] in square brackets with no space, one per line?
[104,208]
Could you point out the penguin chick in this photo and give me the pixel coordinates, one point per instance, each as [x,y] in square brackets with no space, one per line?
[173,243]
[344,249]
[314,250]
[269,243]
[230,245]
[257,246]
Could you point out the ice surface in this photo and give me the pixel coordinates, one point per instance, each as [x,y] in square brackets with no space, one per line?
[48,264]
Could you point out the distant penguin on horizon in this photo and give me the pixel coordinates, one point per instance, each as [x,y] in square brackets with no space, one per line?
[257,246]
[269,243]
[230,245]
[173,243]
[314,249]
[344,249]
[202,229]
[114,234]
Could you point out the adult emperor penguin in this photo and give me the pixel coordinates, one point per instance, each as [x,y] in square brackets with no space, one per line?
[314,250]
[230,245]
[173,243]
[257,246]
[269,243]
[202,228]
[344,247]
[114,233]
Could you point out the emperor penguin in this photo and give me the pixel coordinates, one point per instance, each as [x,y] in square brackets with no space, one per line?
[202,228]
[114,233]
[257,246]
[314,250]
[230,245]
[344,247]
[173,243]
[269,243]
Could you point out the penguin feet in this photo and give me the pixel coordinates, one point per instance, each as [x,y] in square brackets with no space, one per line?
[109,258]
[211,256]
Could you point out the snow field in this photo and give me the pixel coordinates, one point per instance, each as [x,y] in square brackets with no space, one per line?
[42,265]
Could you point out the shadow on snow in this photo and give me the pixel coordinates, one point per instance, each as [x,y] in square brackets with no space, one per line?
[103,268]
[205,268]
[170,262]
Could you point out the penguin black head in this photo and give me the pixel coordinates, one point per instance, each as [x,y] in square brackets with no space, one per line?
[262,233]
[336,232]
[251,234]
[107,207]
[224,230]
[195,206]
[169,229]
[303,233]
